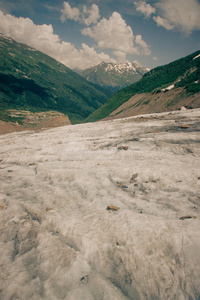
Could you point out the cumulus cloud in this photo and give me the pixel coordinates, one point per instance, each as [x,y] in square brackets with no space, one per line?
[69,13]
[86,16]
[144,48]
[115,34]
[163,22]
[137,62]
[91,57]
[43,38]
[145,8]
[112,34]
[182,14]
[90,16]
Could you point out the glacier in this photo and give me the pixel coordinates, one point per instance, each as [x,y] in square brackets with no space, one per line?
[58,240]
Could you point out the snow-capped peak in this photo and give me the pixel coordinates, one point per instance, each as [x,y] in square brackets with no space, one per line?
[120,68]
[109,74]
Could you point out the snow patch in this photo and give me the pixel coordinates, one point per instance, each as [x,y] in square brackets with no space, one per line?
[196,56]
[31,49]
[120,68]
[170,87]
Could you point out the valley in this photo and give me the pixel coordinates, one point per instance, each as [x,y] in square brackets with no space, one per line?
[33,82]
[99,150]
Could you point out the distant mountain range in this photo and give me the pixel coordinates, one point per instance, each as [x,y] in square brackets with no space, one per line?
[164,88]
[114,76]
[31,80]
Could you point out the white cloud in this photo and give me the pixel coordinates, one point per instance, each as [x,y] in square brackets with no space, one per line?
[155,58]
[112,34]
[115,34]
[137,62]
[144,48]
[69,13]
[182,14]
[121,56]
[91,57]
[90,16]
[42,38]
[148,10]
[86,16]
[163,22]
[145,8]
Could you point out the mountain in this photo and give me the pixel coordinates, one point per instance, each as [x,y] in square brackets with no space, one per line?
[31,80]
[114,76]
[164,88]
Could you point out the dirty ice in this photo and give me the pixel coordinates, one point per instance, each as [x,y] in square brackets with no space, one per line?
[59,240]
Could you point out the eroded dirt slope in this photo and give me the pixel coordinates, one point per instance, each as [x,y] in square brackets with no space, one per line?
[156,102]
[20,120]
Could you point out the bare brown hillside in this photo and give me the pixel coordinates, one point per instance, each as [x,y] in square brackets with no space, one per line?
[156,102]
[19,120]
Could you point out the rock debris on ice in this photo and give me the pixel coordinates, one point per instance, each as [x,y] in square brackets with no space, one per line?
[58,240]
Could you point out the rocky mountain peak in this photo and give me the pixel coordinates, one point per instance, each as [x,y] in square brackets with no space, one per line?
[114,76]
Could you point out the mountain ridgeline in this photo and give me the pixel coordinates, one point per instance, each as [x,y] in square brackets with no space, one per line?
[31,80]
[182,75]
[114,76]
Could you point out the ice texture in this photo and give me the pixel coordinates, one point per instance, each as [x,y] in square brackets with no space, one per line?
[58,240]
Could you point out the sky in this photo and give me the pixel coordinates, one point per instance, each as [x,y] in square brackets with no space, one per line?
[84,33]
